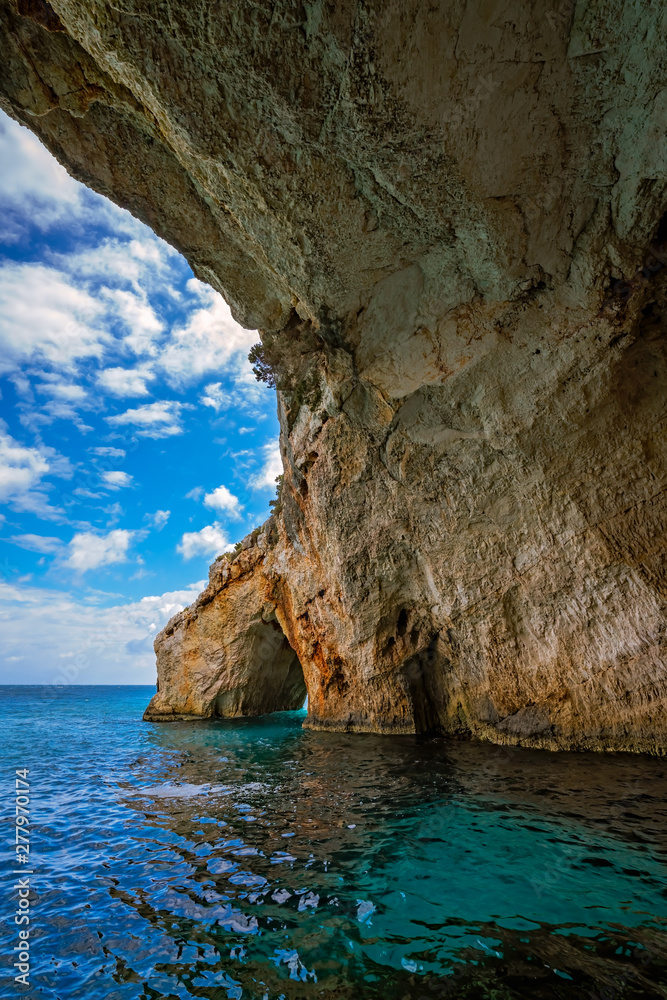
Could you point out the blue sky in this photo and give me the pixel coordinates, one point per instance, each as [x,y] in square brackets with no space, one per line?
[135,442]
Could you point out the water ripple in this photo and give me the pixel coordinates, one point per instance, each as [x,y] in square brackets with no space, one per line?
[255,859]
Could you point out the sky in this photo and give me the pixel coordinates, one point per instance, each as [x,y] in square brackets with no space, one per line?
[135,442]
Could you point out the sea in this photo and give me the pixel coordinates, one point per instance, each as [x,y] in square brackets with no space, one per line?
[253,858]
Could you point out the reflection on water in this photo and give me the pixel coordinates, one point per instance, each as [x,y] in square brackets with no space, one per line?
[256,859]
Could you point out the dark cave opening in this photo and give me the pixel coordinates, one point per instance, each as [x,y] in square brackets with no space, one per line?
[272,679]
[419,673]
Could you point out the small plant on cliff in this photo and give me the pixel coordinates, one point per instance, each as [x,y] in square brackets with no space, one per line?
[264,363]
[289,361]
[277,504]
[307,391]
[272,533]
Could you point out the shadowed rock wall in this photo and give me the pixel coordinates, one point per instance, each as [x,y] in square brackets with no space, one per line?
[446,220]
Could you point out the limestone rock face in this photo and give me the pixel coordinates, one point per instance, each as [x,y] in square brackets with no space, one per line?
[229,656]
[448,221]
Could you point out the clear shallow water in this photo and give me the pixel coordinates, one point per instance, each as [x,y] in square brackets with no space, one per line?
[255,859]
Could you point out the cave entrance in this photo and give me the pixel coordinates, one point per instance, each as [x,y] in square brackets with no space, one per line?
[420,677]
[266,675]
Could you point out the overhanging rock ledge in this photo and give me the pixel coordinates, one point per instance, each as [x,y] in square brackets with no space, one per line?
[448,221]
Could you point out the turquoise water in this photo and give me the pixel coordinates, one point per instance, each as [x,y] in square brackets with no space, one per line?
[256,859]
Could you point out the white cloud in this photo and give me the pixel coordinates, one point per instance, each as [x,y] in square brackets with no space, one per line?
[158,519]
[109,452]
[62,641]
[211,540]
[154,420]
[68,391]
[123,275]
[36,503]
[142,264]
[272,468]
[215,396]
[65,312]
[221,499]
[125,381]
[32,181]
[209,340]
[243,391]
[37,543]
[107,302]
[21,468]
[80,491]
[139,318]
[114,511]
[116,480]
[66,398]
[195,493]
[22,386]
[36,190]
[43,317]
[89,551]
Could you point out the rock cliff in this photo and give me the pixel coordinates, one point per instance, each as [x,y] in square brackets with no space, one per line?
[448,221]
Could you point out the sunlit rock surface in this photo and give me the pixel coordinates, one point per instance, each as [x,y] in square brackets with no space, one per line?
[446,219]
[227,655]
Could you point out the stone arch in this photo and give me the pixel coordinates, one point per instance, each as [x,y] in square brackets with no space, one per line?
[271,678]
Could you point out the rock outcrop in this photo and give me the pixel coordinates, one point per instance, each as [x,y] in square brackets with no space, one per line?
[448,221]
[229,656]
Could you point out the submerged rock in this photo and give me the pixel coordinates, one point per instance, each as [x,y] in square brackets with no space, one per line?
[446,219]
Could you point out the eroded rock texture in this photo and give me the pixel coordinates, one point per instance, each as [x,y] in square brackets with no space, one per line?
[446,220]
